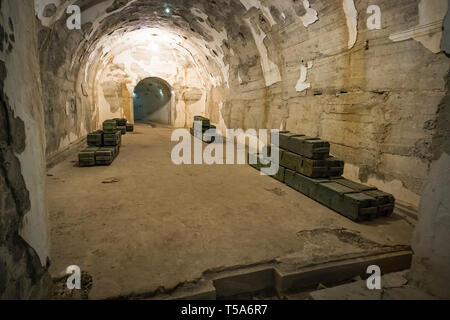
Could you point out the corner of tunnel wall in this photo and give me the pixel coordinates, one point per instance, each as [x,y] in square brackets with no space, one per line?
[24,91]
[431,240]
[24,245]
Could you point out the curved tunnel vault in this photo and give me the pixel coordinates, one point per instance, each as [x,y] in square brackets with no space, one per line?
[152,99]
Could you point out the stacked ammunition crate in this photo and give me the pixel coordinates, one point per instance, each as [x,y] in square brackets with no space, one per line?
[104,145]
[305,165]
[122,125]
[199,133]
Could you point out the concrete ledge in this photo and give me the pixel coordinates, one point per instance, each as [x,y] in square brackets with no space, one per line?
[66,152]
[269,279]
[340,271]
[245,282]
[206,291]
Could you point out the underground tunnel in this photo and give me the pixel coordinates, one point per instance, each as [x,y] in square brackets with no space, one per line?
[93,92]
[152,100]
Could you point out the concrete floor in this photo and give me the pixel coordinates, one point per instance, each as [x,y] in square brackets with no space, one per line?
[161,225]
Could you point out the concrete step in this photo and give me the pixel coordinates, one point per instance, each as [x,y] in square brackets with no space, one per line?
[269,280]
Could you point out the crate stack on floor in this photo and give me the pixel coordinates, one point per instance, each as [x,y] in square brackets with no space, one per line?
[199,133]
[104,145]
[307,166]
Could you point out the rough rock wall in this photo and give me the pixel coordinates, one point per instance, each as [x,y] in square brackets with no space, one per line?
[23,218]
[431,240]
[68,115]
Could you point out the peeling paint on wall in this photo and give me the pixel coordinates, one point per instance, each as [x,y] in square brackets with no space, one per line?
[302,85]
[270,69]
[24,245]
[49,16]
[352,22]
[248,4]
[218,39]
[310,16]
[429,30]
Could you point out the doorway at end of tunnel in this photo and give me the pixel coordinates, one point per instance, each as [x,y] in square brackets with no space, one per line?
[152,99]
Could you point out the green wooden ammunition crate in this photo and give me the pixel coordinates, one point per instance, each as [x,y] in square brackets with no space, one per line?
[307,186]
[274,148]
[113,149]
[335,162]
[353,185]
[130,127]
[335,171]
[95,139]
[109,126]
[385,202]
[203,128]
[112,139]
[116,151]
[308,167]
[86,158]
[121,122]
[196,134]
[255,161]
[312,168]
[280,174]
[285,136]
[348,202]
[202,136]
[358,207]
[122,129]
[309,147]
[290,160]
[205,121]
[104,156]
[335,167]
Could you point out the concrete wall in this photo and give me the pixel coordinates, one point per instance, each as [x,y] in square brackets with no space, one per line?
[24,245]
[431,241]
[372,93]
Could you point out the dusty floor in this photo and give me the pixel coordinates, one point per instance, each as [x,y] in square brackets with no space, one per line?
[160,225]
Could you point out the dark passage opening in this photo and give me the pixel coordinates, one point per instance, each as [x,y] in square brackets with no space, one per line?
[152,101]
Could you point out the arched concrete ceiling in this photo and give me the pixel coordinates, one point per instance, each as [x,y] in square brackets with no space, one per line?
[111,28]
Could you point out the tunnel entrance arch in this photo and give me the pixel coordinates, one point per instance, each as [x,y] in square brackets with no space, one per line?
[153,101]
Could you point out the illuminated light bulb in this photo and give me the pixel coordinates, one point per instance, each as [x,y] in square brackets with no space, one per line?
[168,11]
